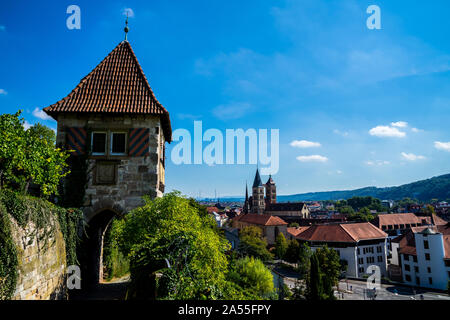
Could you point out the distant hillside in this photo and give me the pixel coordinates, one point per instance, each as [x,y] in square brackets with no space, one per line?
[424,190]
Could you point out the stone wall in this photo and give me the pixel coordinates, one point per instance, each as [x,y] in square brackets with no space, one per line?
[42,263]
[135,176]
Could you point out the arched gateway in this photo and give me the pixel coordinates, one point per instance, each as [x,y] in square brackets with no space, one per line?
[113,119]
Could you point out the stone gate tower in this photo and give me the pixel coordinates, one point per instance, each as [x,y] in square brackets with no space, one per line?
[114,119]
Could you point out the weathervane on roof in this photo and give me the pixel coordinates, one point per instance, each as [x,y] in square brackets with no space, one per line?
[126,29]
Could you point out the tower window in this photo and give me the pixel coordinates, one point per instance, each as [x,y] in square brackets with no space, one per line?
[98,143]
[118,142]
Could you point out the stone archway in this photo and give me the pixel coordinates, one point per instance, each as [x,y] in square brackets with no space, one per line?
[98,219]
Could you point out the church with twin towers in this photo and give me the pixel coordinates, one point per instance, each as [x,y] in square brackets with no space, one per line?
[263,201]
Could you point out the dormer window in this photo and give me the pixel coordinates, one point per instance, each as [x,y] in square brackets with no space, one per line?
[98,143]
[118,143]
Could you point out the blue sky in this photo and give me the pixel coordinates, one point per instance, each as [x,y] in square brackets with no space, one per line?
[376,103]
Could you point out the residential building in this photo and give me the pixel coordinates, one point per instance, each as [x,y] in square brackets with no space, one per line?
[359,244]
[270,225]
[424,256]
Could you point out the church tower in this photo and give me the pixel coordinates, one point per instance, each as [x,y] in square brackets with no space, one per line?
[246,208]
[271,192]
[258,195]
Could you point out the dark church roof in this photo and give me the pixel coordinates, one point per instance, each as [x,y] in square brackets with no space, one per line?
[257,182]
[117,85]
[285,206]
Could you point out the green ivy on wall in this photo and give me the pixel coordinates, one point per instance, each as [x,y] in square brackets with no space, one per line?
[25,209]
[8,257]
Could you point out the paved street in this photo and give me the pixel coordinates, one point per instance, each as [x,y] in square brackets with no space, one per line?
[386,292]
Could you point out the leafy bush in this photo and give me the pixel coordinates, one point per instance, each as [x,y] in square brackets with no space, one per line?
[173,229]
[253,275]
[29,156]
[252,243]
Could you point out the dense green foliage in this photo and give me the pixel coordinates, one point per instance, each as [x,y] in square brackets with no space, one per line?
[29,156]
[323,274]
[252,243]
[358,203]
[176,230]
[424,190]
[292,251]
[252,275]
[280,245]
[8,257]
[114,261]
[45,216]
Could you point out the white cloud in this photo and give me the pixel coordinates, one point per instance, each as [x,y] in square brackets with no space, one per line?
[377,162]
[338,171]
[411,156]
[231,111]
[442,145]
[312,158]
[386,131]
[38,113]
[3,91]
[304,144]
[416,130]
[399,124]
[27,125]
[344,134]
[129,11]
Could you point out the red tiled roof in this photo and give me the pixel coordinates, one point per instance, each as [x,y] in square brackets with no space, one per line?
[295,231]
[212,209]
[352,232]
[396,219]
[407,244]
[261,219]
[117,85]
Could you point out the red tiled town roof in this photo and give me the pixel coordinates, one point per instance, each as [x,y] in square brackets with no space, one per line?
[352,232]
[212,209]
[396,219]
[261,219]
[407,243]
[295,231]
[117,85]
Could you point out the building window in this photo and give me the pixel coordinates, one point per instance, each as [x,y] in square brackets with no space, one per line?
[361,270]
[415,258]
[357,250]
[407,277]
[118,143]
[427,256]
[429,269]
[407,268]
[416,269]
[406,257]
[379,249]
[417,280]
[380,258]
[98,143]
[430,280]
[425,244]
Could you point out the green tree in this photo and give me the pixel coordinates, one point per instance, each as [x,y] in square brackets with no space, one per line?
[293,251]
[314,287]
[29,156]
[253,275]
[252,243]
[304,260]
[293,225]
[172,228]
[280,245]
[346,210]
[330,266]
